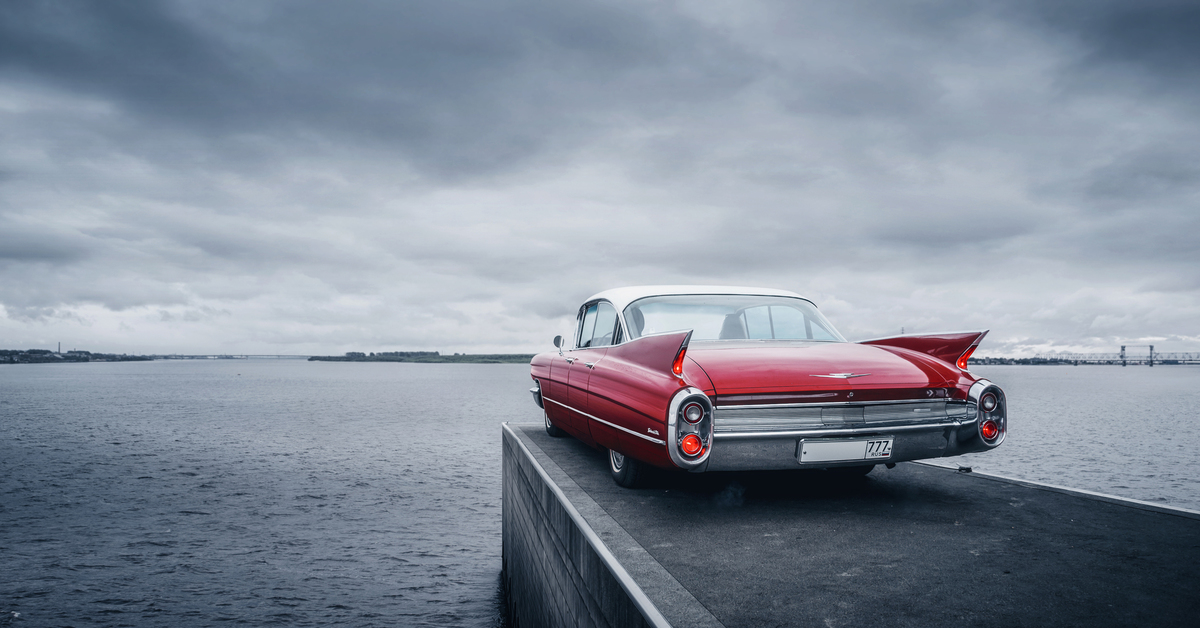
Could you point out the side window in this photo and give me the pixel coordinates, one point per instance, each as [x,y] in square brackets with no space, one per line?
[587,324]
[606,324]
[598,326]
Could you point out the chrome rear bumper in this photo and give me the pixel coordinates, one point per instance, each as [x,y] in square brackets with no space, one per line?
[771,450]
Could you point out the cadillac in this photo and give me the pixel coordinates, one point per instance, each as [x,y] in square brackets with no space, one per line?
[705,378]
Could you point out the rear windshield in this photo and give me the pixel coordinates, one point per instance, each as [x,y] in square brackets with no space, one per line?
[730,317]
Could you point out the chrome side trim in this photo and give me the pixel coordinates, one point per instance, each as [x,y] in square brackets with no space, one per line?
[640,600]
[598,419]
[813,404]
[847,431]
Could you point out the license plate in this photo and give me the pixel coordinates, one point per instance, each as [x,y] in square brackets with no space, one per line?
[843,450]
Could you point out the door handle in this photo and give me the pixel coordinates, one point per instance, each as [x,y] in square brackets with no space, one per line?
[590,365]
[570,360]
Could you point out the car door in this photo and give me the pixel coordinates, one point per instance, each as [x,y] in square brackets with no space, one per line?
[566,403]
[598,324]
[594,345]
[557,391]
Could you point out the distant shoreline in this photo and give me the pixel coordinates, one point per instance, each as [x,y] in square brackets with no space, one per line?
[428,357]
[44,356]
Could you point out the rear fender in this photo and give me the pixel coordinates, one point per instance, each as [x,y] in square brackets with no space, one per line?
[632,388]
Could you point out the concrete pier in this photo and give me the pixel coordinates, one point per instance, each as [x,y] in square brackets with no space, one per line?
[911,546]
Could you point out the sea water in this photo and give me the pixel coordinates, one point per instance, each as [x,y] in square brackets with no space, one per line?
[192,493]
[1126,431]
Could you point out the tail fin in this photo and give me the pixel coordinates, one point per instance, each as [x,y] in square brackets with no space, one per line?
[658,352]
[952,347]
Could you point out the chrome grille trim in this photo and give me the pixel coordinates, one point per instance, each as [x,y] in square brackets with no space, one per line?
[889,402]
[814,416]
[822,432]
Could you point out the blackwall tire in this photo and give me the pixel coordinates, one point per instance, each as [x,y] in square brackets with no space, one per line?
[625,471]
[553,429]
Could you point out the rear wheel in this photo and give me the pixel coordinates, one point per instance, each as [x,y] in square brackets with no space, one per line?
[553,429]
[625,470]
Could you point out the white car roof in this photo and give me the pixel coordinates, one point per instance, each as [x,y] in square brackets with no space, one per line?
[622,297]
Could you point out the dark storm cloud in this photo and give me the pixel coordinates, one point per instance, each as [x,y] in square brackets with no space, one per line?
[24,242]
[1156,38]
[454,175]
[136,51]
[459,87]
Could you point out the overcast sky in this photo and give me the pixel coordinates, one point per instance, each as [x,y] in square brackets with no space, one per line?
[320,177]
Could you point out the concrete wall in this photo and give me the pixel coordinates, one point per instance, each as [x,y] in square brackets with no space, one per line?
[557,572]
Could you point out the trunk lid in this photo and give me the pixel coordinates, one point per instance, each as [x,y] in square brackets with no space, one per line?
[774,366]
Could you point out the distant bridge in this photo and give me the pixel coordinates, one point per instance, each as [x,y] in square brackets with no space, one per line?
[1123,358]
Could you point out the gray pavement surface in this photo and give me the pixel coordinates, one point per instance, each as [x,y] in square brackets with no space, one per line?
[909,546]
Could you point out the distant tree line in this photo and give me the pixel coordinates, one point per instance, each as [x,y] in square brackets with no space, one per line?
[45,356]
[974,360]
[426,357]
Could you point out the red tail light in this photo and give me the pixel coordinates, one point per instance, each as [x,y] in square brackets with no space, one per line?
[989,430]
[691,444]
[677,365]
[962,361]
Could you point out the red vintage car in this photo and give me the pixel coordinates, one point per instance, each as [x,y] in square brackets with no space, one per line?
[705,378]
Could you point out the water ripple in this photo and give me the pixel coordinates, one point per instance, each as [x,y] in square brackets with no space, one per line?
[1120,431]
[182,494]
